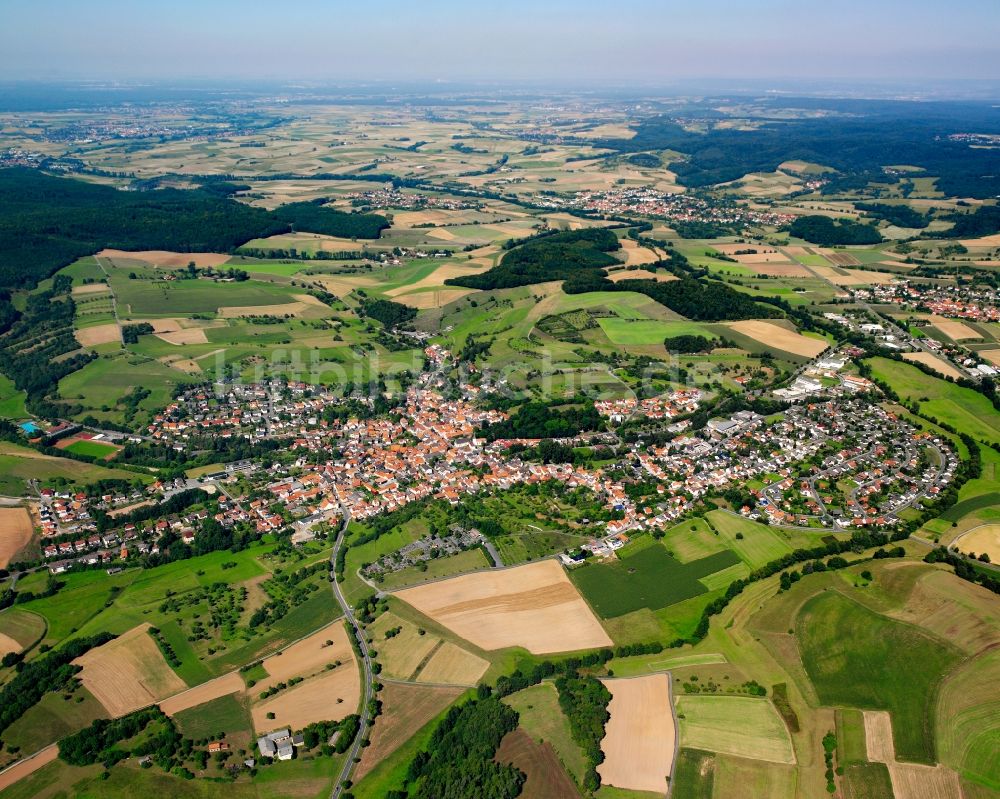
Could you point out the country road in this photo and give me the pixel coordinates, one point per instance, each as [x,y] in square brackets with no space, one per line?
[366,662]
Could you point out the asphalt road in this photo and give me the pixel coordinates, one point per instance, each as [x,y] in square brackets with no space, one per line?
[366,663]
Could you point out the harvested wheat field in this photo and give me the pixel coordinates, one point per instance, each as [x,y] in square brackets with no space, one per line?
[184,364]
[28,766]
[8,645]
[954,329]
[308,656]
[213,689]
[128,673]
[853,277]
[90,288]
[432,299]
[779,337]
[878,737]
[993,356]
[405,709]
[637,255]
[786,269]
[193,335]
[15,533]
[639,737]
[982,539]
[546,777]
[171,260]
[762,257]
[304,302]
[441,233]
[640,274]
[986,241]
[329,697]
[99,334]
[939,365]
[534,606]
[452,665]
[404,653]
[910,781]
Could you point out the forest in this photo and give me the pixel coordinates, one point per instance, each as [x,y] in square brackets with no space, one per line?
[559,256]
[459,762]
[48,222]
[852,137]
[829,232]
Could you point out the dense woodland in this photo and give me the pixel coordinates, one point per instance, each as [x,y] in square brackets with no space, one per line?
[860,137]
[458,761]
[828,232]
[314,217]
[48,222]
[559,256]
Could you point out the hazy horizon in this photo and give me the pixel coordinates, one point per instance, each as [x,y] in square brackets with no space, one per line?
[559,42]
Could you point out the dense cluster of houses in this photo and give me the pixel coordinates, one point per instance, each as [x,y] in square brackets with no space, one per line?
[976,302]
[648,202]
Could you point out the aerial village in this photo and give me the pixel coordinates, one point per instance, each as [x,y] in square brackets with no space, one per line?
[835,459]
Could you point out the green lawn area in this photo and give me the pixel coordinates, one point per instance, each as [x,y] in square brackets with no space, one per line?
[11,400]
[647,332]
[693,539]
[693,774]
[93,448]
[162,298]
[54,717]
[963,408]
[857,658]
[225,714]
[756,544]
[648,578]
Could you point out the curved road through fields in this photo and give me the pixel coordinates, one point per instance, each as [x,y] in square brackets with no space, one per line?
[366,664]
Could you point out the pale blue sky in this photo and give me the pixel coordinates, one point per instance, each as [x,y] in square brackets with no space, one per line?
[574,41]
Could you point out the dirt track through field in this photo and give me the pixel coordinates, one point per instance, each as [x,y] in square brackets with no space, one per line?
[639,737]
[534,606]
[26,768]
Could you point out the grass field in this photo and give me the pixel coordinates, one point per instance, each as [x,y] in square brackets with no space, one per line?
[755,543]
[647,332]
[867,781]
[467,561]
[857,658]
[736,725]
[225,714]
[968,720]
[649,578]
[694,774]
[19,464]
[962,408]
